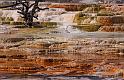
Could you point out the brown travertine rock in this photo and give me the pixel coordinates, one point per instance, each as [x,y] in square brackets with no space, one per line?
[105,21]
[74,57]
[112,28]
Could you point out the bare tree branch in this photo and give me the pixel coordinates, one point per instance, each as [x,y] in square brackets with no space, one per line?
[27,10]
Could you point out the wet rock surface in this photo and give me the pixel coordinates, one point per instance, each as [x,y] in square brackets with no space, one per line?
[101,57]
[33,52]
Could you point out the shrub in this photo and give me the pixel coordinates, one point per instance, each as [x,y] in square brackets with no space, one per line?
[48,24]
[8,19]
[36,24]
[5,22]
[16,23]
[2,19]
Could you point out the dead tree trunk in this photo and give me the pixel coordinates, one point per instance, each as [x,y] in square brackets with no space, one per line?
[27,10]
